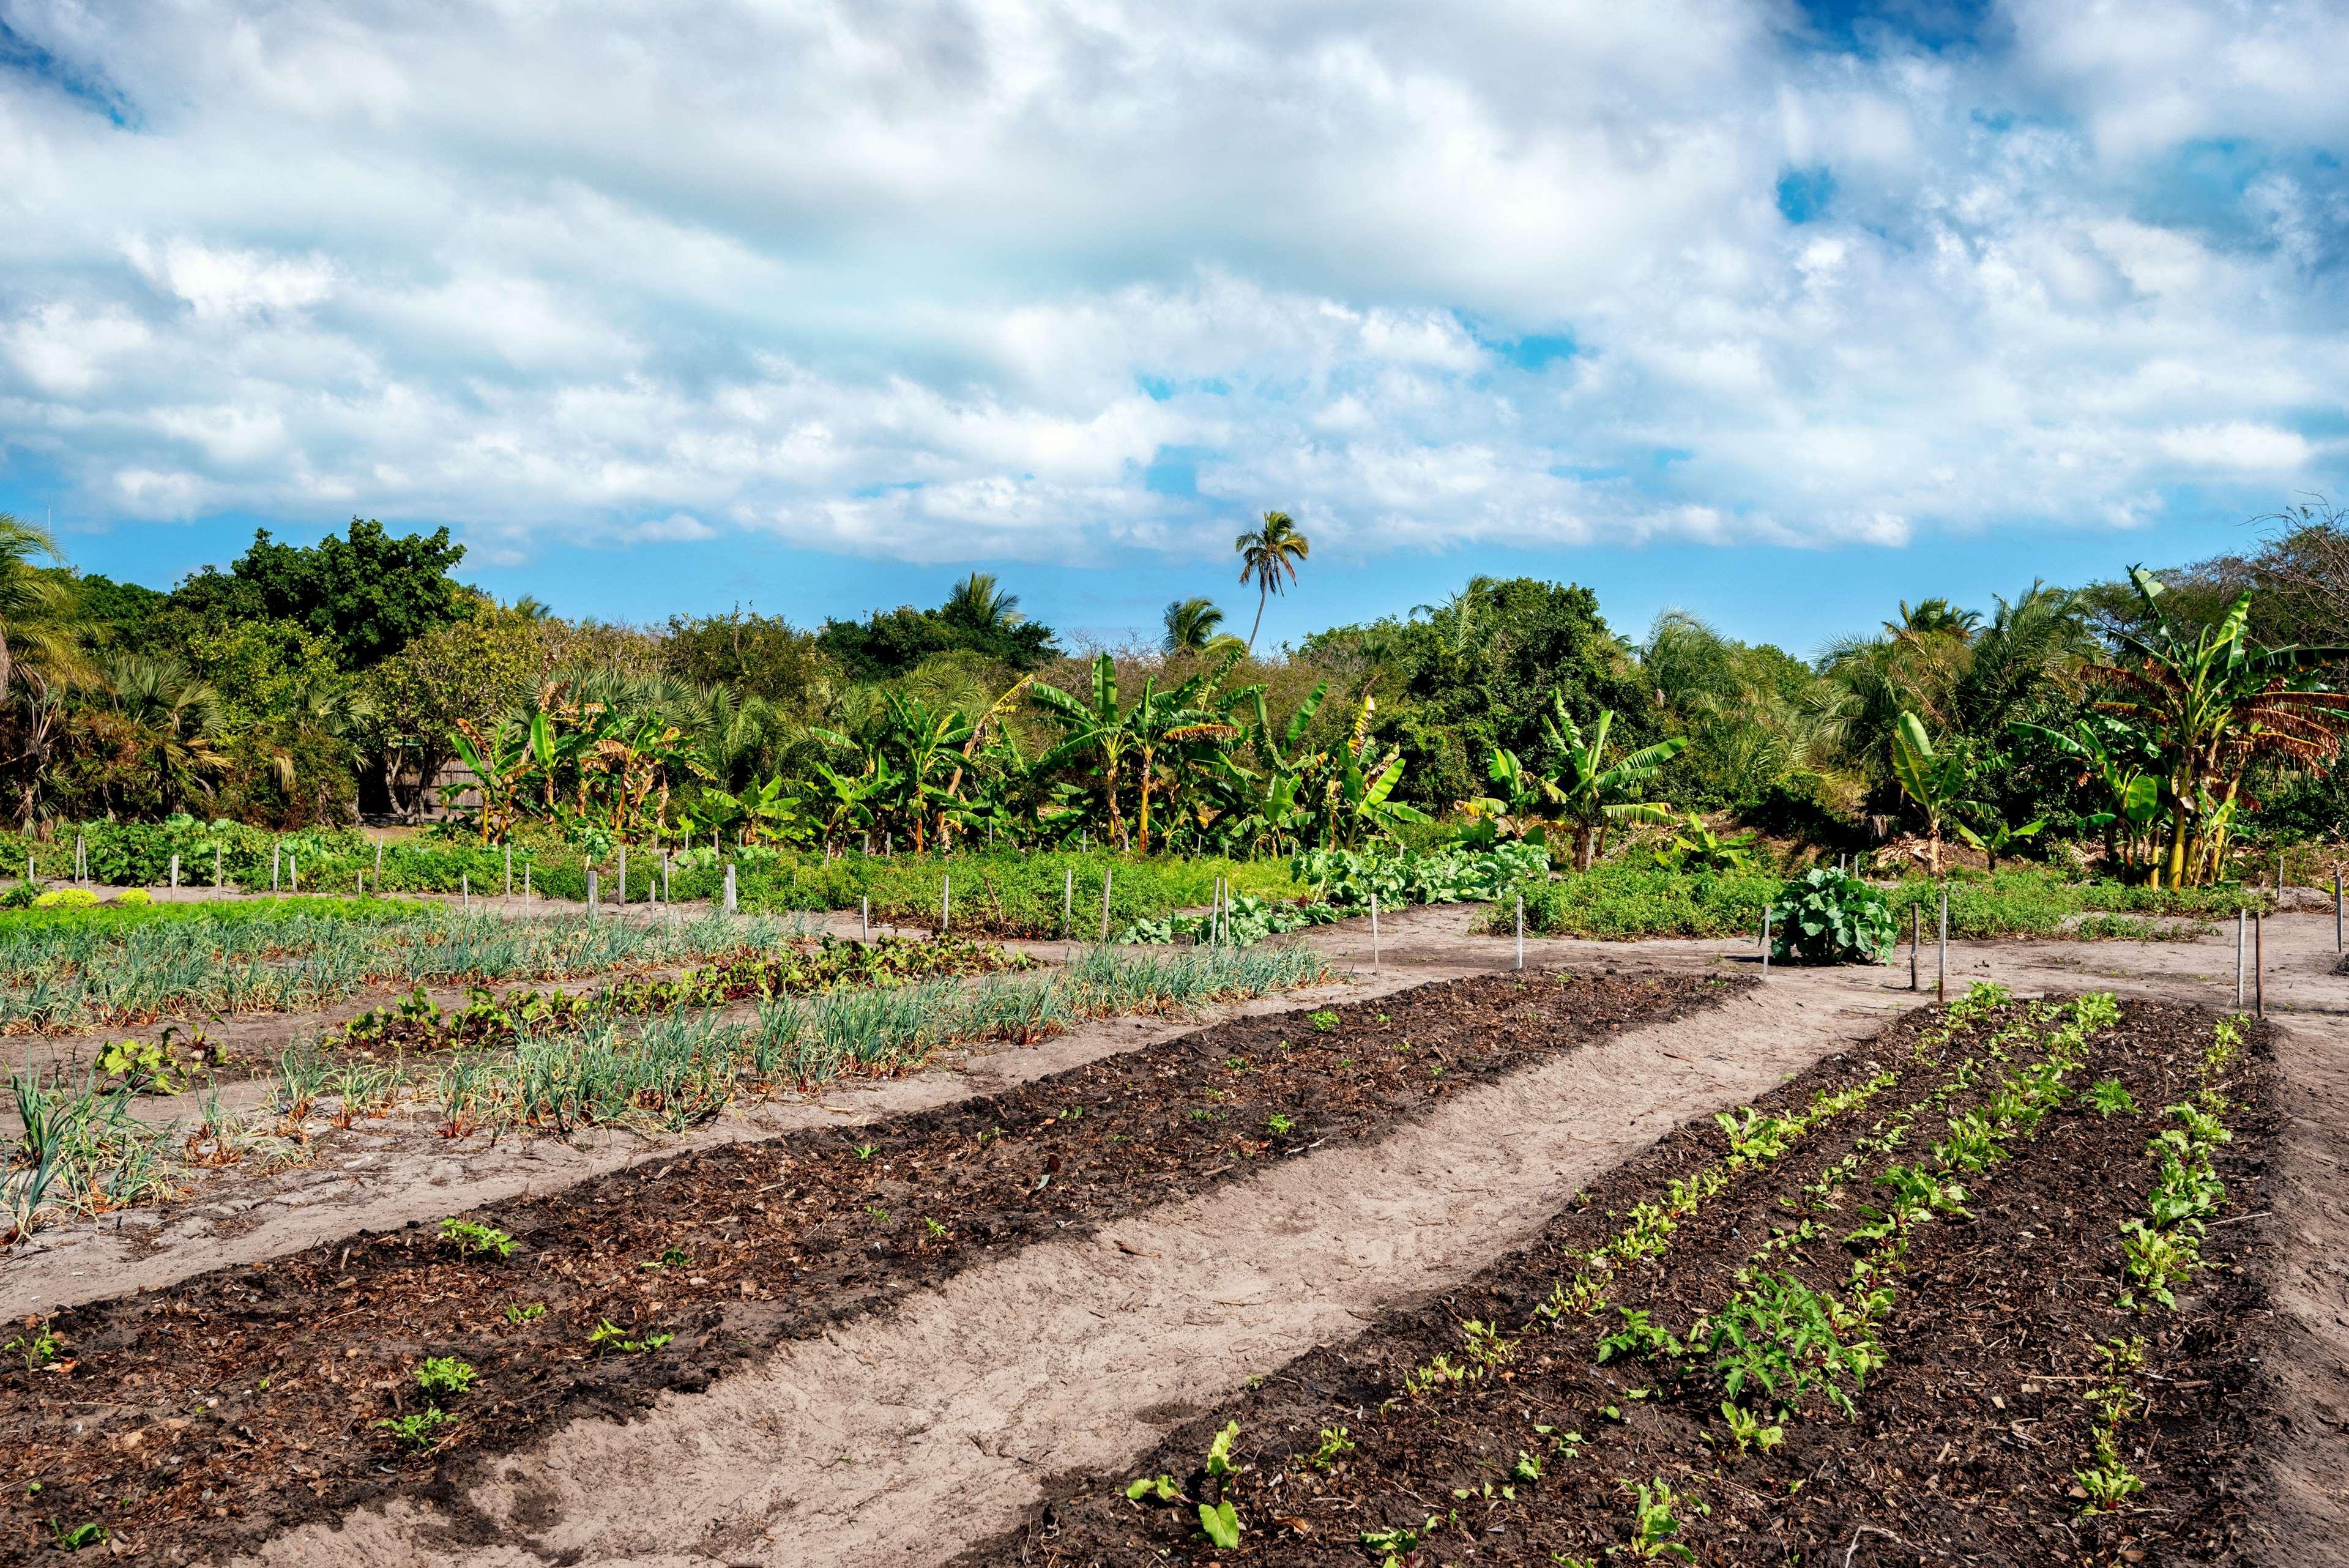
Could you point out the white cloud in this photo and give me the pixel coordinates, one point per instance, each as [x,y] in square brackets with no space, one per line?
[944,281]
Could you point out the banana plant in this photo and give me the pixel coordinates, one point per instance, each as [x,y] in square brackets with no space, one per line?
[2214,704]
[1935,782]
[2118,756]
[1698,845]
[500,761]
[1588,790]
[760,815]
[1093,732]
[1265,807]
[1355,797]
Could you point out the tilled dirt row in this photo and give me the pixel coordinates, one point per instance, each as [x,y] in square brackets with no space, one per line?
[1964,1446]
[667,1278]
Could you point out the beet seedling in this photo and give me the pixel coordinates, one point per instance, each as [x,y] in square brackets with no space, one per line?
[608,1335]
[1654,1526]
[1323,1021]
[1335,1441]
[2107,1099]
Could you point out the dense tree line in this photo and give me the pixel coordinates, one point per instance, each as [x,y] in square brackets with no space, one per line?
[304,685]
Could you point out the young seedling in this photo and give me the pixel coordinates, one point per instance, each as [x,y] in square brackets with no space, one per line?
[469,1237]
[935,1230]
[1654,1526]
[1219,1453]
[1335,1441]
[1747,1431]
[673,1258]
[2108,1482]
[1638,1336]
[73,1537]
[419,1431]
[526,1314]
[1160,1489]
[39,1348]
[1278,1124]
[867,1151]
[2108,1098]
[1323,1021]
[444,1377]
[608,1335]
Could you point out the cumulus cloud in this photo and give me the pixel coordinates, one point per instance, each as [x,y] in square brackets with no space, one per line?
[939,279]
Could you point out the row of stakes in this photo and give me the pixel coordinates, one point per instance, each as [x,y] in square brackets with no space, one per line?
[2247,923]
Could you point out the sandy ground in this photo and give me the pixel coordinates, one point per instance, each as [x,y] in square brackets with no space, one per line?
[901,1438]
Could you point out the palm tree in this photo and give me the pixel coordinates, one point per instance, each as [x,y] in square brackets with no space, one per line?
[175,723]
[1191,625]
[978,603]
[39,656]
[1265,554]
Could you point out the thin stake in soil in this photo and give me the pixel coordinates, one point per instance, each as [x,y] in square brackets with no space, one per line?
[509,870]
[175,875]
[623,876]
[2336,910]
[1105,876]
[2240,922]
[864,918]
[1766,942]
[729,887]
[2258,970]
[591,892]
[1069,905]
[1916,941]
[1374,933]
[1941,978]
[1521,931]
[946,901]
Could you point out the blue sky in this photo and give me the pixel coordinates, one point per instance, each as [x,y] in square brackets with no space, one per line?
[1776,312]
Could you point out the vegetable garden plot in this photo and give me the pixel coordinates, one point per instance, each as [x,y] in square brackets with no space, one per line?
[598,1298]
[83,977]
[1965,1295]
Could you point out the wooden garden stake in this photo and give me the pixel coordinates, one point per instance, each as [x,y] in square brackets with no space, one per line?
[623,876]
[2240,922]
[1941,978]
[1069,905]
[1105,905]
[294,872]
[276,855]
[945,903]
[591,892]
[216,868]
[864,918]
[729,887]
[1521,931]
[1766,942]
[665,894]
[525,884]
[175,872]
[1916,940]
[1374,933]
[509,870]
[379,865]
[2258,970]
[2336,909]
[465,887]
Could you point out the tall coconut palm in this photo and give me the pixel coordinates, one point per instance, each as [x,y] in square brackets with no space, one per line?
[1266,553]
[978,603]
[1190,625]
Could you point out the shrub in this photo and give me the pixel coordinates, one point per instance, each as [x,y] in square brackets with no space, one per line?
[66,898]
[1622,899]
[1826,917]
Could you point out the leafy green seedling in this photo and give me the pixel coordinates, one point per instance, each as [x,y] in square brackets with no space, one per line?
[608,1335]
[419,1431]
[73,1538]
[1279,1123]
[1221,1524]
[673,1258]
[1161,1487]
[867,1151]
[470,1237]
[444,1377]
[2108,1098]
[38,1348]
[1335,1441]
[1324,1021]
[525,1313]
[1219,1453]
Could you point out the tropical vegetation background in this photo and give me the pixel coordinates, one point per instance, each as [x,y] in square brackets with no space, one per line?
[2156,726]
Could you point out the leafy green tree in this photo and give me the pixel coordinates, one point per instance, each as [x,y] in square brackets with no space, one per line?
[372,591]
[1269,554]
[761,656]
[975,618]
[473,671]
